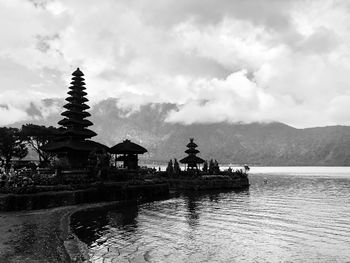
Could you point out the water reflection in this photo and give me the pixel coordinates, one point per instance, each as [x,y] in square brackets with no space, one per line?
[289,218]
[89,225]
[125,221]
[193,211]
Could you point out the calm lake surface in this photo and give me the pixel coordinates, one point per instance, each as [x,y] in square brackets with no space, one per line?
[302,214]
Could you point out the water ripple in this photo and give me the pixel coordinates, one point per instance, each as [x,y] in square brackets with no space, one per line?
[289,219]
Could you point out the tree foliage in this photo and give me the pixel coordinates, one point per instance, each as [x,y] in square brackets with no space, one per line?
[12,144]
[211,166]
[214,167]
[205,166]
[177,168]
[170,168]
[37,136]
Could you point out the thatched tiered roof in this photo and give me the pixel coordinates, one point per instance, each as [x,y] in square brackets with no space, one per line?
[192,160]
[75,122]
[64,146]
[127,147]
[74,133]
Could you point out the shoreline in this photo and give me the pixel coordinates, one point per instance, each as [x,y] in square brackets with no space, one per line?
[45,235]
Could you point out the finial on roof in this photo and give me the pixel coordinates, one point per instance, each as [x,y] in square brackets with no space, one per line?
[78,72]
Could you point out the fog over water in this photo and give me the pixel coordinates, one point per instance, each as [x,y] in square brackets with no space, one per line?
[300,214]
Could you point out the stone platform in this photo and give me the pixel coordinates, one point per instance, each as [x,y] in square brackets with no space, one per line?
[209,182]
[104,192]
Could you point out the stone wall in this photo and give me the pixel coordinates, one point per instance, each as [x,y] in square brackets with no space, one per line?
[99,193]
[209,184]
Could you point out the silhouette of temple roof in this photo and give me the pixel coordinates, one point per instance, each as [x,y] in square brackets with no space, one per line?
[72,106]
[77,92]
[68,113]
[127,147]
[192,159]
[83,133]
[191,144]
[79,99]
[64,146]
[192,151]
[75,123]
[83,122]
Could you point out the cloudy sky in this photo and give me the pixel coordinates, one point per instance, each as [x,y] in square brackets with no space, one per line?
[223,60]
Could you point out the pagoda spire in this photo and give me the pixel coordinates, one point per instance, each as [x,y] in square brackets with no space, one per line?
[191,148]
[75,124]
[192,160]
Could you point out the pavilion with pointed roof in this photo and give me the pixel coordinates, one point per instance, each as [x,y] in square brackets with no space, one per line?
[192,160]
[128,153]
[74,139]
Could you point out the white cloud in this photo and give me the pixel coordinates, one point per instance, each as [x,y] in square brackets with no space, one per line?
[225,61]
[9,114]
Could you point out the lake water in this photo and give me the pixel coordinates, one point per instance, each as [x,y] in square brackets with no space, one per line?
[301,214]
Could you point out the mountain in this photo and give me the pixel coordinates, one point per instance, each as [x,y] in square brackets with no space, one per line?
[255,143]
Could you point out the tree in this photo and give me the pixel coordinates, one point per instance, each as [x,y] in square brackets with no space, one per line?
[211,166]
[216,167]
[177,169]
[12,144]
[170,168]
[37,136]
[205,166]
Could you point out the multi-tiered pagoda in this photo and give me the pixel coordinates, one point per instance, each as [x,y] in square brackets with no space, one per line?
[75,122]
[192,160]
[74,137]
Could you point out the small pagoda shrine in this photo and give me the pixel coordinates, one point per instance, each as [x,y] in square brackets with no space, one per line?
[192,160]
[127,152]
[73,141]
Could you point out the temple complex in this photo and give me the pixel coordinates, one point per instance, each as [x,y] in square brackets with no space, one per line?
[192,160]
[82,171]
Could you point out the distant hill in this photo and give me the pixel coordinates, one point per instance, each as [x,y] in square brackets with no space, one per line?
[256,143]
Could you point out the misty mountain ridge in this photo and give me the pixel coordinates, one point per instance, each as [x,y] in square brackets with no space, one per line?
[254,143]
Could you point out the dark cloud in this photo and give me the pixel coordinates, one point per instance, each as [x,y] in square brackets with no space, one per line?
[270,13]
[4,106]
[44,42]
[40,3]
[33,111]
[321,41]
